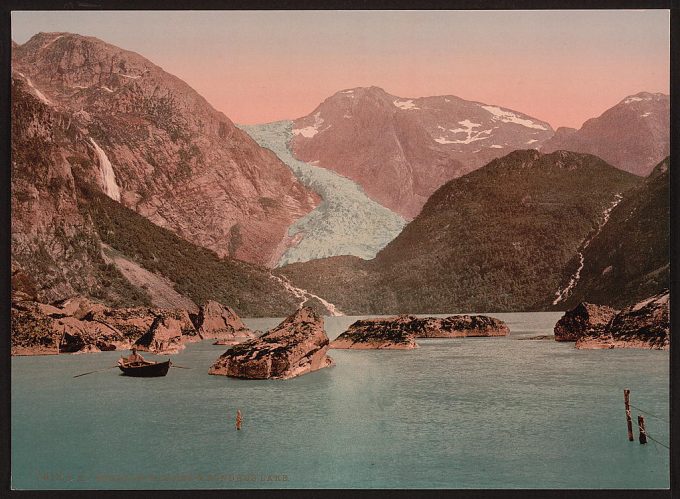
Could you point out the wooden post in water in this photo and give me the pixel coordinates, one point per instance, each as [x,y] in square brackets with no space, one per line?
[643,432]
[629,420]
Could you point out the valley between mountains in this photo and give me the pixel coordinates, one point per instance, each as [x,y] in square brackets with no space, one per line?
[130,189]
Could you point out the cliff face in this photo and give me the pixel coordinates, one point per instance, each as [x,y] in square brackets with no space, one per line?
[154,144]
[55,248]
[296,346]
[400,150]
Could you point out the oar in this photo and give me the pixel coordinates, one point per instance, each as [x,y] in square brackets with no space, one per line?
[97,371]
[180,367]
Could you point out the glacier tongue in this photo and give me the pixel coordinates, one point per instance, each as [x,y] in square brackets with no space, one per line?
[108,176]
[347,222]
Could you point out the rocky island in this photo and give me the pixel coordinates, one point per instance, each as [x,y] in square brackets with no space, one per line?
[583,319]
[80,325]
[381,334]
[400,332]
[643,325]
[216,321]
[296,346]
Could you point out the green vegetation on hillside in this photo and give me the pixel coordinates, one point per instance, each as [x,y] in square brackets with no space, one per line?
[196,272]
[629,260]
[497,239]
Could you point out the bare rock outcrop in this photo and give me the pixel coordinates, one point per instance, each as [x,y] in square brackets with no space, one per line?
[168,333]
[457,326]
[583,319]
[643,325]
[219,322]
[385,334]
[400,332]
[32,332]
[296,346]
[79,325]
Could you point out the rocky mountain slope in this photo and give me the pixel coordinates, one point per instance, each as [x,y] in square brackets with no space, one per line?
[631,254]
[69,238]
[401,150]
[497,239]
[157,147]
[634,135]
[55,248]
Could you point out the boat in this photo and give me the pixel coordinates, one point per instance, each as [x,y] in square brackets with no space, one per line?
[145,369]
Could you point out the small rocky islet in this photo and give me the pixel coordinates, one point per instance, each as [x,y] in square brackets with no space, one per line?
[400,333]
[643,325]
[298,345]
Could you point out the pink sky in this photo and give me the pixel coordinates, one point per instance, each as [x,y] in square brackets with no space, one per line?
[559,66]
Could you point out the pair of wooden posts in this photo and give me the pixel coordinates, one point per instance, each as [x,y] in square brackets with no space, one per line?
[629,421]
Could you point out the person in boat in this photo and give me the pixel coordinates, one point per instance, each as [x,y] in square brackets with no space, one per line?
[133,358]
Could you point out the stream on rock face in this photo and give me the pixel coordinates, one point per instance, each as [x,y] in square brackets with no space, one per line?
[563,294]
[303,295]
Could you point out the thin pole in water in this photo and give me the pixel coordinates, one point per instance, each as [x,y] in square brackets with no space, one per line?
[643,432]
[629,420]
[239,419]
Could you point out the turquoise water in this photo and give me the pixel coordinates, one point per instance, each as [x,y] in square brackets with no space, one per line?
[455,413]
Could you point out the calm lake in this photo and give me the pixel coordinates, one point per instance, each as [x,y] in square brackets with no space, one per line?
[454,413]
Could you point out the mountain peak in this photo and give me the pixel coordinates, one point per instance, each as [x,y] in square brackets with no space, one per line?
[644,96]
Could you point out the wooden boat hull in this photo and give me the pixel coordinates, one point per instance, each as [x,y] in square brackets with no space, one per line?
[154,370]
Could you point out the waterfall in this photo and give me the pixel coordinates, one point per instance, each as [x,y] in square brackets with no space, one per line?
[108,176]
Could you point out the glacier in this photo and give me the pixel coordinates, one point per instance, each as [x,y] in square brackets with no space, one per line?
[346,222]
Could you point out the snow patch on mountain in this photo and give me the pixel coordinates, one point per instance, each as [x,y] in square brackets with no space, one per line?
[308,131]
[468,129]
[108,176]
[347,222]
[405,104]
[106,88]
[312,130]
[510,117]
